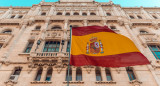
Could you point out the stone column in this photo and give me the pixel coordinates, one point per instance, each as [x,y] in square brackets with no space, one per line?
[16,16]
[51,10]
[9,11]
[103,74]
[115,10]
[101,13]
[44,73]
[135,16]
[37,10]
[145,13]
[73,74]
[85,22]
[66,24]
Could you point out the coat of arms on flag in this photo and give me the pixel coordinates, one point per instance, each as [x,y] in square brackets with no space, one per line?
[94,46]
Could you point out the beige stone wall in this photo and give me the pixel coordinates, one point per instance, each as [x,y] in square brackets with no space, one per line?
[23,31]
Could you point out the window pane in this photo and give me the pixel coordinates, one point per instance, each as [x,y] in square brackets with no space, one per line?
[109,78]
[53,49]
[154,48]
[157,53]
[98,78]
[57,49]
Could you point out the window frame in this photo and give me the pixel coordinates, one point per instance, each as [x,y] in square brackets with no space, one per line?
[30,47]
[52,46]
[153,52]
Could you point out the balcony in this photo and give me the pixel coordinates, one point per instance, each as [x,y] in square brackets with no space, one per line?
[148,38]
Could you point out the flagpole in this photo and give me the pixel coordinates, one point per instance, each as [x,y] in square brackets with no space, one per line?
[69,55]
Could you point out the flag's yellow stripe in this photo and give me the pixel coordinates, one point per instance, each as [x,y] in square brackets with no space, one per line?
[112,44]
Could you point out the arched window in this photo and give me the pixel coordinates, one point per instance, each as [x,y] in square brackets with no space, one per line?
[49,74]
[43,14]
[39,73]
[131,17]
[56,27]
[113,27]
[67,14]
[108,74]
[76,13]
[139,17]
[78,74]
[59,13]
[12,16]
[154,17]
[130,73]
[38,28]
[84,14]
[108,14]
[15,74]
[70,75]
[92,13]
[98,74]
[7,31]
[143,32]
[20,16]
[75,26]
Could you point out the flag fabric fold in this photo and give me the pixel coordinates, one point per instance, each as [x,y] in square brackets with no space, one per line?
[100,46]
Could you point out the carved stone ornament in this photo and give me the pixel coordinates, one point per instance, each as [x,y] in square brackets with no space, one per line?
[118,70]
[135,83]
[10,83]
[89,69]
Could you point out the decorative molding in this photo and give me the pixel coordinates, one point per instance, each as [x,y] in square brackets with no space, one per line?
[74,82]
[41,82]
[10,83]
[135,83]
[105,82]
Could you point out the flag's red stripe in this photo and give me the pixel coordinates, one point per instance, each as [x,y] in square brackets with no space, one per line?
[80,31]
[120,60]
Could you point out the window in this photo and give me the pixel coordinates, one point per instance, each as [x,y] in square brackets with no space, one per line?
[1,46]
[20,16]
[7,31]
[108,14]
[56,27]
[155,50]
[98,74]
[76,13]
[38,28]
[154,17]
[68,46]
[59,13]
[108,74]
[139,17]
[70,75]
[15,74]
[51,46]
[78,74]
[130,73]
[84,14]
[43,14]
[113,27]
[39,73]
[92,14]
[29,47]
[67,14]
[143,32]
[131,17]
[12,16]
[49,74]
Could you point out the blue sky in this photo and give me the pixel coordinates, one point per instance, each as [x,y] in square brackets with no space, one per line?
[123,3]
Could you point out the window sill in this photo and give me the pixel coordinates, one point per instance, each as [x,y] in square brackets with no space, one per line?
[74,82]
[24,54]
[41,82]
[105,82]
[10,82]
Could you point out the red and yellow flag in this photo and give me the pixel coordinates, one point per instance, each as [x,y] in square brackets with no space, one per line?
[100,46]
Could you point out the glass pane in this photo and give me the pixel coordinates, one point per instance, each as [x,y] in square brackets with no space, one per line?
[98,78]
[49,49]
[50,45]
[158,56]
[154,48]
[58,45]
[57,49]
[67,49]
[109,78]
[48,78]
[78,78]
[157,53]
[53,49]
[45,49]
[54,45]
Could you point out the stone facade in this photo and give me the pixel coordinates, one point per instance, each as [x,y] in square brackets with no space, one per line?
[23,61]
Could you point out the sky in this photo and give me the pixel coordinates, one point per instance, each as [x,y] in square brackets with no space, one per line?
[123,3]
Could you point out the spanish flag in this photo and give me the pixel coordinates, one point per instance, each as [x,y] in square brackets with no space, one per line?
[100,46]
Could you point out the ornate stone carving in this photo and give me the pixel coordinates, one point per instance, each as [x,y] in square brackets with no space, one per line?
[88,68]
[10,83]
[135,83]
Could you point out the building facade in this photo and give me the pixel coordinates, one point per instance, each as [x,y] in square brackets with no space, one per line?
[34,43]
